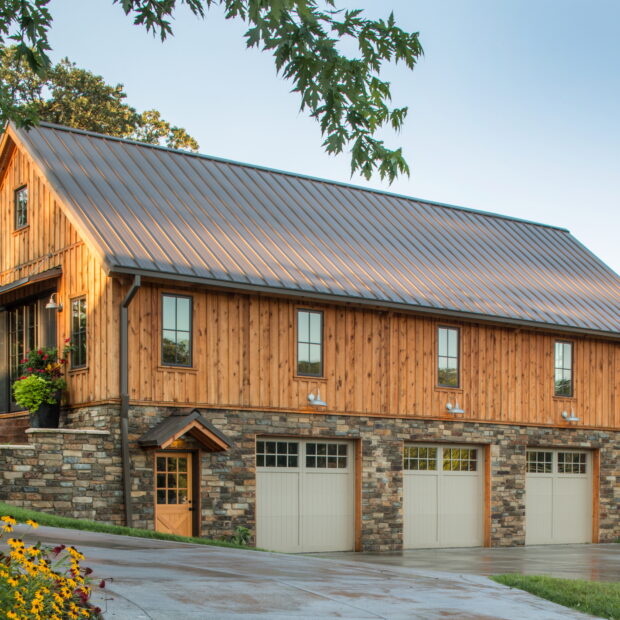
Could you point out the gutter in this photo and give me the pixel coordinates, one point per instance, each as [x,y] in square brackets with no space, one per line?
[124,392]
[376,304]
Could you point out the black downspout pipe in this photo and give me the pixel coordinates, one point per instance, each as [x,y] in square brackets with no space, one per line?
[124,389]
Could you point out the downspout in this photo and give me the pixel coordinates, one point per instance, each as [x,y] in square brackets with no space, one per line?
[124,390]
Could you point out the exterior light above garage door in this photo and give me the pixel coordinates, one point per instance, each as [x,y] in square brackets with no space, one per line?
[570,417]
[316,401]
[454,408]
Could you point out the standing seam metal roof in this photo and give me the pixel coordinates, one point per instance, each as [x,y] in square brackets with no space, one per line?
[173,213]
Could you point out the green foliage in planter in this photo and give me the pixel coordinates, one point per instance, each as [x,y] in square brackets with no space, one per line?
[32,391]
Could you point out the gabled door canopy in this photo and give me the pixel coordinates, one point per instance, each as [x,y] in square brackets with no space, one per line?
[181,423]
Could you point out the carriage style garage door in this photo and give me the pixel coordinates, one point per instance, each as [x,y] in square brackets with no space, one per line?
[558,497]
[305,495]
[443,495]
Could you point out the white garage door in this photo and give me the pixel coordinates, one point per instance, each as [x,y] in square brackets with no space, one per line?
[305,495]
[558,497]
[443,496]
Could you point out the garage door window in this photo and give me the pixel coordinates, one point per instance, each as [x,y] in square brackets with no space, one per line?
[539,462]
[326,455]
[277,453]
[460,459]
[571,462]
[417,458]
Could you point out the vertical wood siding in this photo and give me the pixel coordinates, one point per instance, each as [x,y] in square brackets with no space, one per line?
[50,241]
[375,363]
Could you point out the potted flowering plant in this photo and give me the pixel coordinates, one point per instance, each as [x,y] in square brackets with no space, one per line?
[41,384]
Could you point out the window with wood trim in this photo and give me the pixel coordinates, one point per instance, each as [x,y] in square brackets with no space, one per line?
[176,333]
[563,370]
[78,333]
[310,343]
[23,336]
[21,207]
[448,357]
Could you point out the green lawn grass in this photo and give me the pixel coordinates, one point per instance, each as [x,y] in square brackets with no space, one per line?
[598,598]
[21,514]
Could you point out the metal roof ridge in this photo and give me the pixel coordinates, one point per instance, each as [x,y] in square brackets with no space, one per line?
[303,176]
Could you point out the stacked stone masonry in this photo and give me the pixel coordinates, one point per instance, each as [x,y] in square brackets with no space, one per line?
[228,478]
[74,473]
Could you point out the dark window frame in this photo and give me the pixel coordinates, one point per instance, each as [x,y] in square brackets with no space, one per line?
[79,335]
[458,356]
[162,329]
[571,393]
[321,373]
[17,211]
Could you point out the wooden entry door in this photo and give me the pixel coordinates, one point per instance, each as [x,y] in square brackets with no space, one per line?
[173,493]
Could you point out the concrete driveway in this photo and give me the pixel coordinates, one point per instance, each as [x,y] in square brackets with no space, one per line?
[172,581]
[591,562]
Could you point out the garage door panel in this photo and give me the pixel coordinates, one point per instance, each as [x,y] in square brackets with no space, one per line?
[311,506]
[461,511]
[573,517]
[558,502]
[443,496]
[420,495]
[277,503]
[539,505]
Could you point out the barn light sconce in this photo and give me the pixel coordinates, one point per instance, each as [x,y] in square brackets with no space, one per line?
[454,408]
[53,304]
[316,401]
[570,418]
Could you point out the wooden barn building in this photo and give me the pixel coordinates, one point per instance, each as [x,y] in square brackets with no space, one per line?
[333,367]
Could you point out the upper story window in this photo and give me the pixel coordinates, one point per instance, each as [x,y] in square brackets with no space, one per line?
[448,357]
[563,374]
[78,332]
[176,335]
[310,343]
[21,207]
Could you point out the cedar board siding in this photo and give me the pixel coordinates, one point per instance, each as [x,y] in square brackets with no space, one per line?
[50,241]
[376,363]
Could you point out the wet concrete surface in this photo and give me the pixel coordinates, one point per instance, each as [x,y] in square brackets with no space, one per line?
[591,562]
[159,580]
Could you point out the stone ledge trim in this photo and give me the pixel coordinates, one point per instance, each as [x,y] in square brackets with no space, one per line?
[15,446]
[67,431]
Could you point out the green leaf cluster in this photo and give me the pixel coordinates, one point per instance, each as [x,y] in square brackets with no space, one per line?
[32,391]
[344,93]
[68,95]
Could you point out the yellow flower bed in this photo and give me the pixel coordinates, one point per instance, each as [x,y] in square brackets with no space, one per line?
[40,583]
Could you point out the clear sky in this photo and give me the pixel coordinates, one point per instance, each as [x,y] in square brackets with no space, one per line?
[515,107]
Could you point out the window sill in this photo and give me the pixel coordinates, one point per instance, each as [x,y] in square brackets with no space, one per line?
[564,398]
[162,368]
[445,388]
[76,371]
[307,378]
[22,229]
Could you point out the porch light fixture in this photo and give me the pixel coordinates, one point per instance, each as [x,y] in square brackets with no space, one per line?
[454,408]
[53,304]
[570,418]
[316,401]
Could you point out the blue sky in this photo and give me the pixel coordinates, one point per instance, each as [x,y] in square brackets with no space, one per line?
[514,108]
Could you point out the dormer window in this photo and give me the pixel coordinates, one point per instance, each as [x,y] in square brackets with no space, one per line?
[21,207]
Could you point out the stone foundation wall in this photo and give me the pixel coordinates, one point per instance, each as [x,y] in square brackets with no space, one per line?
[70,468]
[71,473]
[13,428]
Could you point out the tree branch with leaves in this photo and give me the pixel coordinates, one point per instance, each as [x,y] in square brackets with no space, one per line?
[344,93]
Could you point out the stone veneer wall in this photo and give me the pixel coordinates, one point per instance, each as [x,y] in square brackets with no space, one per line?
[67,472]
[228,478]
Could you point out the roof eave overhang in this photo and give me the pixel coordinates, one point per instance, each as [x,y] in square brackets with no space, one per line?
[360,301]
